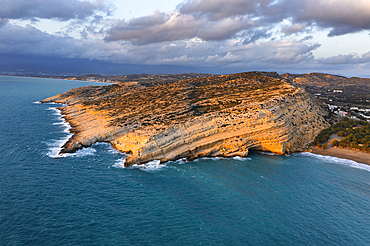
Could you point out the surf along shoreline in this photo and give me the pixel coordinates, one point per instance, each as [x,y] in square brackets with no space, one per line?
[354,155]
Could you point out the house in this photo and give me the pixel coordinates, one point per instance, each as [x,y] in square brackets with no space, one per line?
[332,107]
[343,113]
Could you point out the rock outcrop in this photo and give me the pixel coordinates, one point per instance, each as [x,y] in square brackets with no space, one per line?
[226,115]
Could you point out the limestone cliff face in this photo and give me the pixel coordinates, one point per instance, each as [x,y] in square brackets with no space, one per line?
[215,116]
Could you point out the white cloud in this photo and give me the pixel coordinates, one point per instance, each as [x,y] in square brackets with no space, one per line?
[50,9]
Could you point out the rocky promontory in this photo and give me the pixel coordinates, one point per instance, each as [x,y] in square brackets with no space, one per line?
[225,115]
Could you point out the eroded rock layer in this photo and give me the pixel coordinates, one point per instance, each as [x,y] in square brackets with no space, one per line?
[224,115]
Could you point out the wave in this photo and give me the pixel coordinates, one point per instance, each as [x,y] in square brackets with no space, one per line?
[53,103]
[37,102]
[265,153]
[113,150]
[179,161]
[55,146]
[342,161]
[57,112]
[239,158]
[209,158]
[148,167]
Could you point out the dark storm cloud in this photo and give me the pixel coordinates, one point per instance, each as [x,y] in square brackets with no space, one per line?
[29,40]
[49,9]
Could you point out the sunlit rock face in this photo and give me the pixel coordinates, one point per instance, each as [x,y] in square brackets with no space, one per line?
[226,115]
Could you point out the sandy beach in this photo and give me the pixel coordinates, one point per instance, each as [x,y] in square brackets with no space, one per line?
[354,155]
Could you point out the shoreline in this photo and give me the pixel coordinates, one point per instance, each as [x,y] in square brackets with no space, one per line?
[354,155]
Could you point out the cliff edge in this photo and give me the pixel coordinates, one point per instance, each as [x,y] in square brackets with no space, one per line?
[225,115]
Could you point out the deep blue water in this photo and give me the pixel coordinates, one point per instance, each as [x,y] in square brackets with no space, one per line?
[89,199]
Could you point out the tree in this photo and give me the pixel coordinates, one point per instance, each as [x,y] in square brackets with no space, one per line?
[342,144]
[335,142]
[354,145]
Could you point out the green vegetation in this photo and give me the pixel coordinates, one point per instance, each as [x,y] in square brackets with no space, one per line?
[356,135]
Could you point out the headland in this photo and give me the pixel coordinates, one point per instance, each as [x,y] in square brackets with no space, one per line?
[225,115]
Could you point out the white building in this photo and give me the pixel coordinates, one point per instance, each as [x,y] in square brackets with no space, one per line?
[332,107]
[342,113]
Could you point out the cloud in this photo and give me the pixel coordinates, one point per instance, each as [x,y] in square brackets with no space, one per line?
[158,27]
[3,22]
[217,20]
[230,58]
[289,30]
[161,27]
[29,40]
[219,9]
[342,16]
[277,52]
[50,9]
[309,37]
[240,34]
[253,35]
[353,58]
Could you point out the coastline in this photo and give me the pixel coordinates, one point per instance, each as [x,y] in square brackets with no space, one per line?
[354,155]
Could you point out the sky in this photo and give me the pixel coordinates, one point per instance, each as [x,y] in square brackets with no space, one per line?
[295,36]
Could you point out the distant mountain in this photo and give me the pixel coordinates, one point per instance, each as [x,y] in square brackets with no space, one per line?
[53,66]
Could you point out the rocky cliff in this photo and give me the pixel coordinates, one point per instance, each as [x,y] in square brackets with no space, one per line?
[224,115]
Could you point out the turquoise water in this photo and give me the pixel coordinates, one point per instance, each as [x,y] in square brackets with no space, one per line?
[89,199]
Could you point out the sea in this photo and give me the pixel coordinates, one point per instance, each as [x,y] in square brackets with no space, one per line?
[90,198]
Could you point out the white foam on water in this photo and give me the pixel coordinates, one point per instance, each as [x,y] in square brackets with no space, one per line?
[120,163]
[265,153]
[113,150]
[56,111]
[239,158]
[37,102]
[55,146]
[209,158]
[58,123]
[342,161]
[148,167]
[180,161]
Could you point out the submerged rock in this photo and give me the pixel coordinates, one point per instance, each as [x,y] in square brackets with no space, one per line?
[225,115]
